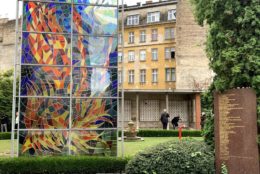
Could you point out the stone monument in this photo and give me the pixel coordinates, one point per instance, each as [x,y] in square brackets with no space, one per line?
[236,131]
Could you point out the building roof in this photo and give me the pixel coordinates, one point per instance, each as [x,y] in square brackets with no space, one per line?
[148,4]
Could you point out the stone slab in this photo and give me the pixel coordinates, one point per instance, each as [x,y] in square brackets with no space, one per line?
[236,131]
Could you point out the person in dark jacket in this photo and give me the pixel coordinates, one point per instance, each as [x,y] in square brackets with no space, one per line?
[164,119]
[175,121]
[4,122]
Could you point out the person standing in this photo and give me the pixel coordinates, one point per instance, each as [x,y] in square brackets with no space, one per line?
[164,119]
[4,122]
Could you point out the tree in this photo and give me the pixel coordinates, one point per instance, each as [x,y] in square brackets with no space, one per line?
[233,43]
[6,93]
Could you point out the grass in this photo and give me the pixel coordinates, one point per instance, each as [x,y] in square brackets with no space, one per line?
[5,148]
[130,148]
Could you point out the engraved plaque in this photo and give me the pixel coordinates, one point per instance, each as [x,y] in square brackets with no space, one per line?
[236,131]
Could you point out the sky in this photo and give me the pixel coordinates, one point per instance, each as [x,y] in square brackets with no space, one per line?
[8,7]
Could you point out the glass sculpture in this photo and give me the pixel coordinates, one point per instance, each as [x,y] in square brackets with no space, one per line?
[68,91]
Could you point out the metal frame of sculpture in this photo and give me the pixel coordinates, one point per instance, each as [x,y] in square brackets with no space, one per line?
[68,91]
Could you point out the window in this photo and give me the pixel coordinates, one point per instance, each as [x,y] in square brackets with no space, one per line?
[154,34]
[143,36]
[119,77]
[154,75]
[153,17]
[133,20]
[131,77]
[120,57]
[169,33]
[154,54]
[120,38]
[170,74]
[131,56]
[169,53]
[142,76]
[131,37]
[172,15]
[142,55]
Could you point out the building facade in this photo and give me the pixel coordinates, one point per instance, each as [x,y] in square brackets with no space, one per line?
[165,65]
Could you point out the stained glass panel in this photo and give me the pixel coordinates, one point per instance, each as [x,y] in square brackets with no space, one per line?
[94,113]
[98,2]
[49,49]
[102,142]
[45,81]
[94,82]
[92,51]
[44,113]
[47,17]
[43,143]
[95,20]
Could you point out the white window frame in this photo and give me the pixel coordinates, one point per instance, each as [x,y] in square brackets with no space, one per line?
[154,34]
[131,76]
[142,55]
[133,20]
[170,75]
[153,17]
[131,37]
[154,54]
[131,56]
[142,76]
[120,38]
[172,14]
[168,52]
[169,33]
[154,75]
[120,57]
[142,36]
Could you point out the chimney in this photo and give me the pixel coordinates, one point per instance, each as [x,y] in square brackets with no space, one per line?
[138,4]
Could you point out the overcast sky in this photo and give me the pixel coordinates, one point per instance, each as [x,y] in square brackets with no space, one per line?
[8,7]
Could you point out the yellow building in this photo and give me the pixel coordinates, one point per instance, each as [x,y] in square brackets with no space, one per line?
[152,81]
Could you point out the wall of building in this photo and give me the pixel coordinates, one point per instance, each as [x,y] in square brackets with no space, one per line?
[7,44]
[192,69]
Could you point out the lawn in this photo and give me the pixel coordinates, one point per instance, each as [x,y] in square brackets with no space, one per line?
[130,148]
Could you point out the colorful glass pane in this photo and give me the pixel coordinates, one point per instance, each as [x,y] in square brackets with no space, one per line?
[94,113]
[95,20]
[44,113]
[98,2]
[47,17]
[43,143]
[45,81]
[49,49]
[102,142]
[94,82]
[94,51]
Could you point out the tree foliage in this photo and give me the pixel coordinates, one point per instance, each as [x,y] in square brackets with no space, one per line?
[6,93]
[233,43]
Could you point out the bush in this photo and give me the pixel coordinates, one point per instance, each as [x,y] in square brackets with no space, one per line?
[208,130]
[174,158]
[168,133]
[5,136]
[62,165]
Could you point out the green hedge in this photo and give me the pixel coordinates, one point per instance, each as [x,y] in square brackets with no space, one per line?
[174,157]
[5,136]
[62,165]
[167,133]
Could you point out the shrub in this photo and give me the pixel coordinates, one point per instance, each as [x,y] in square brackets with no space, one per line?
[62,165]
[174,158]
[5,136]
[208,130]
[168,133]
